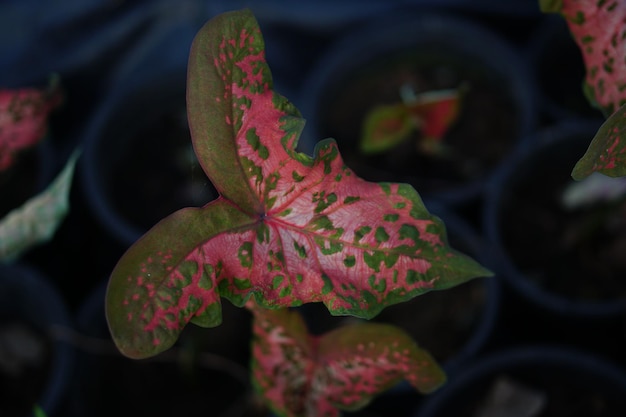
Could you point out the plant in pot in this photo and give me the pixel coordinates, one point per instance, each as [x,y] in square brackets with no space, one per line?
[597,27]
[34,367]
[287,229]
[431,113]
[367,69]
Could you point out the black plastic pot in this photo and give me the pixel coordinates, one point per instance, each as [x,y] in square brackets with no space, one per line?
[558,380]
[204,373]
[427,52]
[559,69]
[30,312]
[138,164]
[535,238]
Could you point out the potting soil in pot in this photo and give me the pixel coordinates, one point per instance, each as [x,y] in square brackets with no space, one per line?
[484,131]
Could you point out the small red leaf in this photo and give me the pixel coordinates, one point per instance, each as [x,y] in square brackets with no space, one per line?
[437,111]
[598,28]
[23,119]
[344,369]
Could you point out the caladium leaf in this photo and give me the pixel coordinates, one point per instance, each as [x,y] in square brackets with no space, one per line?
[302,375]
[287,228]
[597,26]
[432,113]
[38,219]
[385,126]
[598,29]
[607,152]
[24,119]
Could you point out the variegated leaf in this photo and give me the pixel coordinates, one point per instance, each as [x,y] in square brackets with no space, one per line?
[607,152]
[316,376]
[599,30]
[24,119]
[288,229]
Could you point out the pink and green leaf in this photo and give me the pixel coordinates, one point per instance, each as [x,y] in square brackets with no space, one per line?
[288,228]
[302,375]
[24,119]
[385,126]
[607,152]
[432,113]
[598,28]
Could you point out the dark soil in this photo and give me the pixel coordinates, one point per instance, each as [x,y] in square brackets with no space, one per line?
[157,172]
[577,253]
[484,132]
[20,181]
[180,381]
[441,322]
[24,367]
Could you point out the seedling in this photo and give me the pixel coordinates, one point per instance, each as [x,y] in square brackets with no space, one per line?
[430,114]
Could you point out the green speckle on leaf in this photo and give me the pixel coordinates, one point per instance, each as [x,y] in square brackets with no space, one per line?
[412,277]
[296,177]
[245,254]
[205,281]
[380,287]
[263,233]
[328,284]
[408,231]
[351,199]
[327,246]
[322,223]
[381,235]
[391,217]
[278,279]
[285,212]
[361,232]
[242,283]
[349,261]
[285,291]
[373,260]
[300,250]
[579,18]
[587,39]
[255,142]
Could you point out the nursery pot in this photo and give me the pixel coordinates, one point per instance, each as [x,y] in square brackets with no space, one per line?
[139,164]
[35,367]
[559,69]
[533,381]
[205,373]
[30,174]
[423,53]
[567,260]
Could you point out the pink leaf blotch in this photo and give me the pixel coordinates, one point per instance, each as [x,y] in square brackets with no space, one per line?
[287,229]
[302,375]
[598,28]
[24,119]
